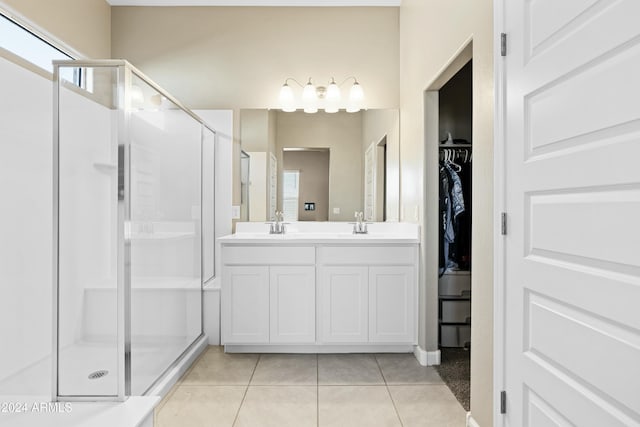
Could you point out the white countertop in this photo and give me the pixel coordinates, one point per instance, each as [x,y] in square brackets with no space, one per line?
[323,233]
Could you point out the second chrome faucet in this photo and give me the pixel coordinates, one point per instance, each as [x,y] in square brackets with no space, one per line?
[277,226]
[360,227]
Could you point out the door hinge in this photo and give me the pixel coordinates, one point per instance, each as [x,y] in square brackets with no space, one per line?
[503,223]
[503,44]
[503,402]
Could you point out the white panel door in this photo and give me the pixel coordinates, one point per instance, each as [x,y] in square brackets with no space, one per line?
[572,266]
[370,183]
[392,304]
[258,196]
[292,304]
[273,186]
[245,305]
[343,304]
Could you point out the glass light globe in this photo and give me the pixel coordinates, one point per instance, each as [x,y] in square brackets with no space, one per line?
[287,101]
[356,98]
[332,98]
[309,98]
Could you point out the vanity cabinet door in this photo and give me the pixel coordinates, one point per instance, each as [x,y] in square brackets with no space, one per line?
[392,304]
[344,304]
[292,304]
[245,311]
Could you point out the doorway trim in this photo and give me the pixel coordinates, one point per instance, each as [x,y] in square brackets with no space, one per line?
[429,294]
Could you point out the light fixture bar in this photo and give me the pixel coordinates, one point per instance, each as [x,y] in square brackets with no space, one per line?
[328,98]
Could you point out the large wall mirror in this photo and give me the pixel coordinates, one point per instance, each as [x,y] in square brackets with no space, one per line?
[320,167]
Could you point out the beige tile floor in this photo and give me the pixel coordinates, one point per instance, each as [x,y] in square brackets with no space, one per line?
[299,390]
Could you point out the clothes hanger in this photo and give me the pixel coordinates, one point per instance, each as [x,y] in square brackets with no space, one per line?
[450,161]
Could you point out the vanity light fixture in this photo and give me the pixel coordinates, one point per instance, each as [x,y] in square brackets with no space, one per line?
[328,98]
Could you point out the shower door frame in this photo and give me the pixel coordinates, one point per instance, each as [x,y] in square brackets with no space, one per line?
[125,72]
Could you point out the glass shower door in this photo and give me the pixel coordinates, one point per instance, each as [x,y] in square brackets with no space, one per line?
[165,183]
[88,357]
[128,207]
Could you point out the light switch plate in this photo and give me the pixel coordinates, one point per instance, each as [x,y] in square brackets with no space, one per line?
[235,212]
[336,211]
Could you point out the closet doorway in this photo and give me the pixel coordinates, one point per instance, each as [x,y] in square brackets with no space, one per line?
[449,204]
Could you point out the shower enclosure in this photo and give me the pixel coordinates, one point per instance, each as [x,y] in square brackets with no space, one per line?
[132,236]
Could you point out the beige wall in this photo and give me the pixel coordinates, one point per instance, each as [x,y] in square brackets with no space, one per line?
[430,34]
[314,181]
[342,134]
[83,25]
[254,130]
[238,57]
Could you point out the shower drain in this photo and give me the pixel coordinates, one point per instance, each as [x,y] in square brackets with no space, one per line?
[98,374]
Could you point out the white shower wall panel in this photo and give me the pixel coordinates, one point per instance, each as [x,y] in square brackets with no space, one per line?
[88,207]
[25,229]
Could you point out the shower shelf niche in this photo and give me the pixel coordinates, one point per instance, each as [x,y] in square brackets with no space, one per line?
[105,167]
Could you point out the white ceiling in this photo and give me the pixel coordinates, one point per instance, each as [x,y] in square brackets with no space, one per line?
[254,2]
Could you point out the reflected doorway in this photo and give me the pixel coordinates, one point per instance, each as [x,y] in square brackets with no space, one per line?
[245,161]
[306,183]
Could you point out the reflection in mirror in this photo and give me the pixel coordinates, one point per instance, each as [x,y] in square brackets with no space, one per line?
[305,184]
[245,161]
[345,162]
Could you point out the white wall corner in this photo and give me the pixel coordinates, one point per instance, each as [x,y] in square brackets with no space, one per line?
[211,315]
[426,358]
[470,421]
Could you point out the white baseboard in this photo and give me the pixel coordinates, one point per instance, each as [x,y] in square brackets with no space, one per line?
[426,358]
[470,421]
[317,348]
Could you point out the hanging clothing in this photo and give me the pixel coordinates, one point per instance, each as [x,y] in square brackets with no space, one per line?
[447,207]
[452,205]
[457,198]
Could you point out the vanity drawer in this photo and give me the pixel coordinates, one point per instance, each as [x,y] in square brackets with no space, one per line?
[268,255]
[367,255]
[456,311]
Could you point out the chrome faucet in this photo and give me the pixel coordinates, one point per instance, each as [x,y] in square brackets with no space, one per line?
[360,227]
[277,226]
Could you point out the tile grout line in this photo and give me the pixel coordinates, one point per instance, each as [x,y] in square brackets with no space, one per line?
[386,385]
[235,420]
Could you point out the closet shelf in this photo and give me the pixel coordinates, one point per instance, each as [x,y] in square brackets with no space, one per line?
[455,145]
[466,297]
[105,167]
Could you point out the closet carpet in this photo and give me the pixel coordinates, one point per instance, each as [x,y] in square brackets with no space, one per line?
[455,371]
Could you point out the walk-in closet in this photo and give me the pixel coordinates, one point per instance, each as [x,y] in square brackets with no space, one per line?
[455,160]
[455,207]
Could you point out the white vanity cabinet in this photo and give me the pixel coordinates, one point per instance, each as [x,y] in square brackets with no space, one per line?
[268,295]
[320,289]
[367,294]
[392,304]
[344,300]
[245,312]
[292,304]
